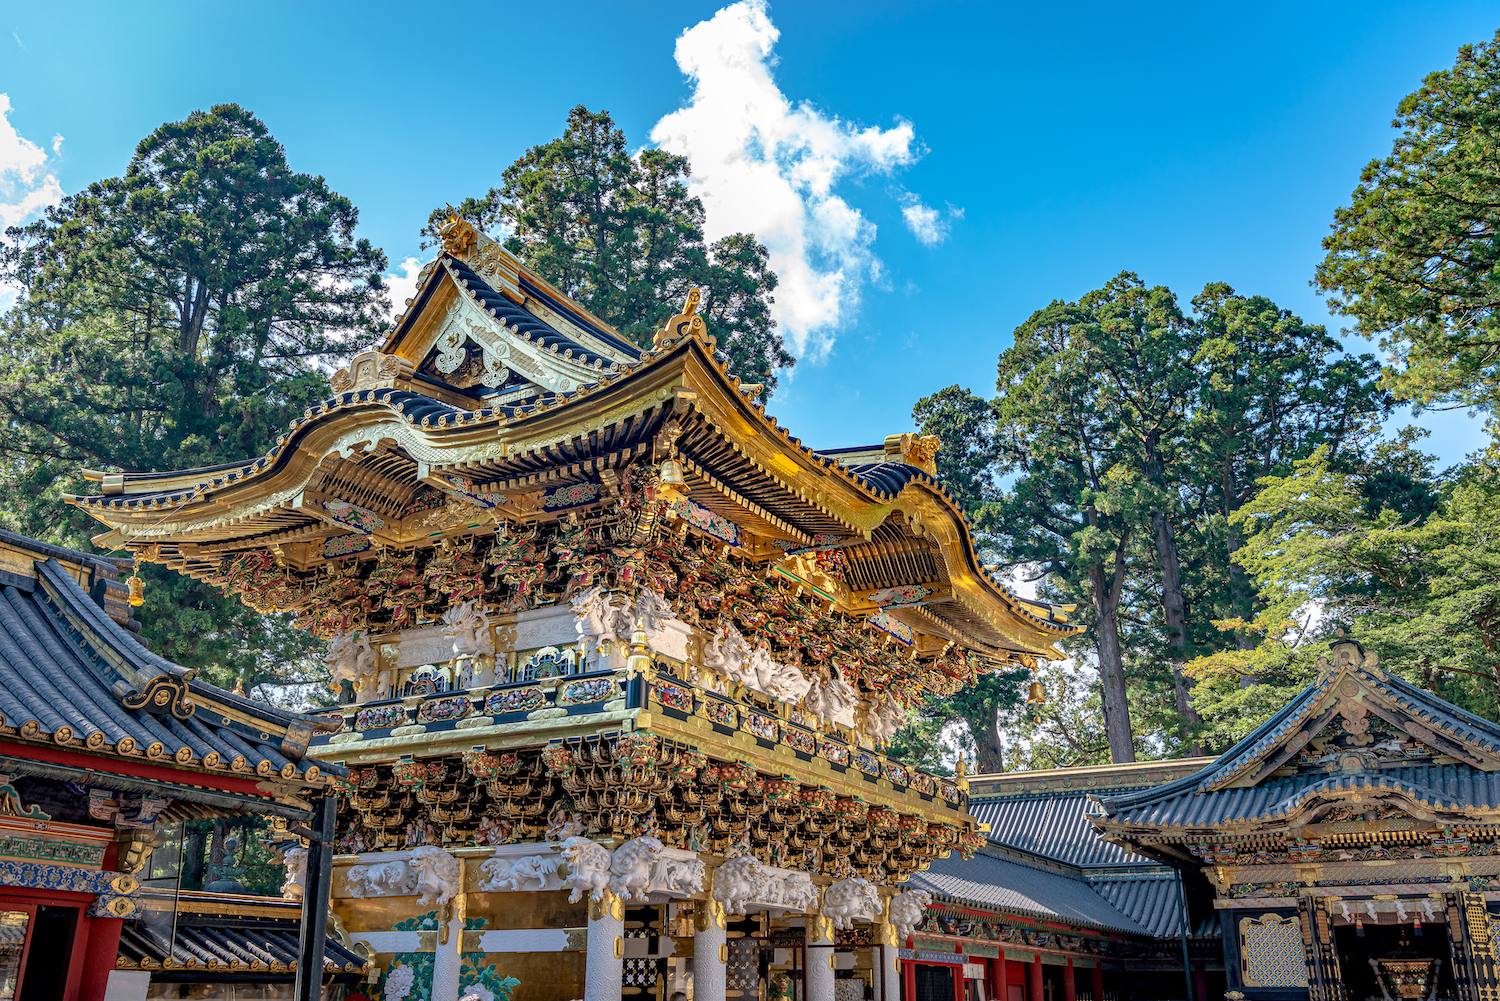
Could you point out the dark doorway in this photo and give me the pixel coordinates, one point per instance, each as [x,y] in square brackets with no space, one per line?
[934,983]
[48,958]
[1389,942]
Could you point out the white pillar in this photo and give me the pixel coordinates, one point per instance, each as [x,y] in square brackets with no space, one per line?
[604,976]
[709,947]
[447,961]
[887,980]
[819,958]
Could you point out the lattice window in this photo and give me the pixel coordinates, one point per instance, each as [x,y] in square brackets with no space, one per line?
[1271,952]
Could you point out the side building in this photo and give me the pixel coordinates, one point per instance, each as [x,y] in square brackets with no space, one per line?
[102,744]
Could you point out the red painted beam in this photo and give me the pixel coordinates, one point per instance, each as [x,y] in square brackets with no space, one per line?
[245,785]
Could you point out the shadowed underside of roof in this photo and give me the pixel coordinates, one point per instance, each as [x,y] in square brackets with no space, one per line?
[208,951]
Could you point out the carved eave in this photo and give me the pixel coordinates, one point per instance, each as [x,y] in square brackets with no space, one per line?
[375,446]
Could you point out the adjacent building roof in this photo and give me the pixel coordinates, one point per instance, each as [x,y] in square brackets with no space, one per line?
[991,880]
[1356,733]
[74,679]
[226,938]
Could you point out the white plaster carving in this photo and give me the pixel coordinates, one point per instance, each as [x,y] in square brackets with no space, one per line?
[437,874]
[849,900]
[473,642]
[351,658]
[744,884]
[294,860]
[678,876]
[907,910]
[383,879]
[514,874]
[830,700]
[632,866]
[588,865]
[727,651]
[883,720]
[602,616]
[780,681]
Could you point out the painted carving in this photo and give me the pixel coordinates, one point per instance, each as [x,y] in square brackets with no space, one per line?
[384,879]
[849,900]
[514,874]
[908,910]
[437,874]
[588,865]
[631,868]
[294,859]
[563,821]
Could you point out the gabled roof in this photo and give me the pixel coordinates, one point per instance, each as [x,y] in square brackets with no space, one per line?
[401,462]
[1355,734]
[73,679]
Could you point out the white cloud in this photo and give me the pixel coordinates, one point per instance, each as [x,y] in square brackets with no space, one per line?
[765,166]
[926,223]
[401,282]
[26,185]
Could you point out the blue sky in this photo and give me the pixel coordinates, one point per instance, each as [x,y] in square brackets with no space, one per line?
[940,171]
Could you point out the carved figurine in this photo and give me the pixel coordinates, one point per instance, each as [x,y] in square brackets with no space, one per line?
[736,882]
[351,658]
[294,859]
[589,873]
[883,720]
[631,867]
[437,874]
[907,911]
[469,628]
[513,874]
[851,899]
[827,700]
[493,831]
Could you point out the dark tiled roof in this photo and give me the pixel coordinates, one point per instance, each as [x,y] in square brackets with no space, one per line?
[1149,898]
[988,880]
[67,671]
[208,951]
[522,323]
[1052,825]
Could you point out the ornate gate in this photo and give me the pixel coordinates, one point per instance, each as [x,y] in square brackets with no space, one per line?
[1324,981]
[1474,970]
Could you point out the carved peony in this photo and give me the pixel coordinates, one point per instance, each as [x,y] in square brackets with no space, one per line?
[849,900]
[399,982]
[632,866]
[437,874]
[907,910]
[588,865]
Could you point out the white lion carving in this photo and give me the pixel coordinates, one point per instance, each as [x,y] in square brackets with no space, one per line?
[385,879]
[294,859]
[907,910]
[827,700]
[736,882]
[631,867]
[588,868]
[883,720]
[508,874]
[437,874]
[851,899]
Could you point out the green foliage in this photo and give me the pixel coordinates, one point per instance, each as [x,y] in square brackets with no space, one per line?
[621,235]
[1413,257]
[176,317]
[1126,434]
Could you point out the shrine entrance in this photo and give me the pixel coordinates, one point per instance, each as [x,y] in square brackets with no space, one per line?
[1403,962]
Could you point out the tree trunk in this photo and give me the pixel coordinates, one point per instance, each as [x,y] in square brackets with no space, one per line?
[989,750]
[1106,595]
[1174,612]
[194,847]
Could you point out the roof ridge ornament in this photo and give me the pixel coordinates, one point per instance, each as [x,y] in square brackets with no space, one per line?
[914,450]
[683,324]
[1348,655]
[458,235]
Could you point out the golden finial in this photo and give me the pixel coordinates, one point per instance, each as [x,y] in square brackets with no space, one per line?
[684,323]
[137,591]
[239,686]
[640,661]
